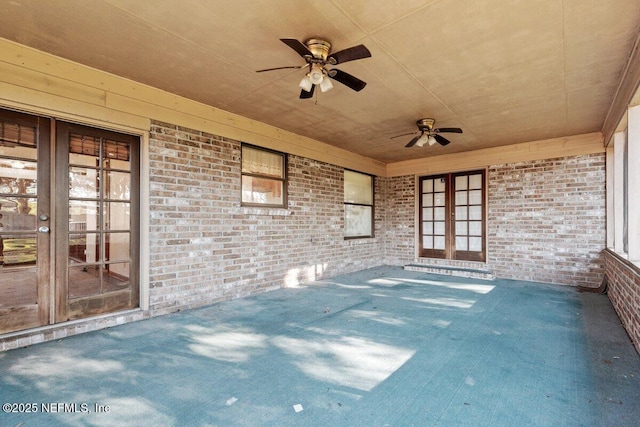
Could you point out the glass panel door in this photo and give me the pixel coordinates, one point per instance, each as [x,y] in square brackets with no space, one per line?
[96,225]
[97,248]
[433,216]
[24,208]
[469,216]
[452,216]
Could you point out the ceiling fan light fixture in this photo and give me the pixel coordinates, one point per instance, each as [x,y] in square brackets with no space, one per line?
[316,74]
[432,140]
[423,140]
[326,85]
[305,83]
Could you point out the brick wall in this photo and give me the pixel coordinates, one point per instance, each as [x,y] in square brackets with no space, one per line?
[624,292]
[400,237]
[205,247]
[547,220]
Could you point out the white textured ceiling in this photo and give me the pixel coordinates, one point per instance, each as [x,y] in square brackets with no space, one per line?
[505,71]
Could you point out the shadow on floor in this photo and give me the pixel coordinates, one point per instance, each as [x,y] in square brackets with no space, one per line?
[379,347]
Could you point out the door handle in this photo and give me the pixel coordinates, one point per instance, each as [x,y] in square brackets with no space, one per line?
[43,229]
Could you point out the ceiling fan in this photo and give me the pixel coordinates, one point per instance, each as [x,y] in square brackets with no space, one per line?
[317,55]
[429,135]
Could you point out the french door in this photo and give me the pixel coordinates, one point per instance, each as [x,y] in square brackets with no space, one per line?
[24,221]
[452,216]
[69,225]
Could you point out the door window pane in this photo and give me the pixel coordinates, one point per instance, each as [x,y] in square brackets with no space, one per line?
[116,276]
[475,212]
[83,215]
[18,177]
[439,199]
[83,183]
[117,247]
[12,134]
[462,243]
[475,244]
[475,228]
[427,227]
[461,197]
[18,251]
[116,216]
[475,197]
[461,212]
[119,186]
[461,183]
[475,181]
[18,213]
[83,248]
[461,228]
[84,281]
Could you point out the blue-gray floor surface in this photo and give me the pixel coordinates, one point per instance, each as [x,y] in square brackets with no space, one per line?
[381,347]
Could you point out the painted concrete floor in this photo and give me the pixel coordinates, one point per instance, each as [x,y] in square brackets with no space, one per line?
[381,347]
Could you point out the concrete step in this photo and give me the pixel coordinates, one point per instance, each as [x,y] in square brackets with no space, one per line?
[475,273]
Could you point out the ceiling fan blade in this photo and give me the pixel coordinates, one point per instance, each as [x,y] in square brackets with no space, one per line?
[347,79]
[413,141]
[404,134]
[349,54]
[453,130]
[295,67]
[306,95]
[441,140]
[298,46]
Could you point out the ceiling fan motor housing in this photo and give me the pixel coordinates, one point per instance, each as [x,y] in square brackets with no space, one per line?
[425,124]
[319,48]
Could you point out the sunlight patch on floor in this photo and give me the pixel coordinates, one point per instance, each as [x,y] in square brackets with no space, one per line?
[384,282]
[446,302]
[377,317]
[225,343]
[342,285]
[472,287]
[296,277]
[348,361]
[62,365]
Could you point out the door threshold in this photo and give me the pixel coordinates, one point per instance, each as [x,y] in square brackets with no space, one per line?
[27,337]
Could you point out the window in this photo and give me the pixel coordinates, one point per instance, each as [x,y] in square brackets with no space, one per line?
[264,177]
[358,205]
[624,205]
